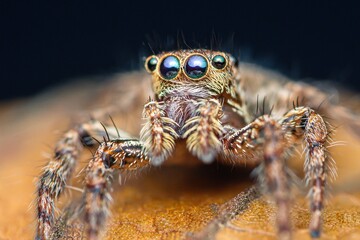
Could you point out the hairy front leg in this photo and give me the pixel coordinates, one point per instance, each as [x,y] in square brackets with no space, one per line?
[303,123]
[157,142]
[262,141]
[59,169]
[120,154]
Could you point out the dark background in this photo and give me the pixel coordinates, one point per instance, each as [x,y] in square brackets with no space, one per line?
[46,43]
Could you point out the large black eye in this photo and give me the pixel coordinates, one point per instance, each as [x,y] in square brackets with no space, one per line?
[151,63]
[169,67]
[196,66]
[219,62]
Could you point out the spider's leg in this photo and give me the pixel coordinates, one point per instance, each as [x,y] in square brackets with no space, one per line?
[304,123]
[157,141]
[227,212]
[56,173]
[263,141]
[203,131]
[120,154]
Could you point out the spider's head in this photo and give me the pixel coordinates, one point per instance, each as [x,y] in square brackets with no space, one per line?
[209,72]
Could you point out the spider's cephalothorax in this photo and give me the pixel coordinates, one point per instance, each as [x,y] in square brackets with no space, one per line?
[197,98]
[206,73]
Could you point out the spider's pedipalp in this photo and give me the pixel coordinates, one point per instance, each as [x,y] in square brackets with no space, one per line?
[158,134]
[204,130]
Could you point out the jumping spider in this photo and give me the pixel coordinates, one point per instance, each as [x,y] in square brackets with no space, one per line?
[199,99]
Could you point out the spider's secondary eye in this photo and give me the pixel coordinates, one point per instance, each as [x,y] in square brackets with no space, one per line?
[169,67]
[151,63]
[219,62]
[196,66]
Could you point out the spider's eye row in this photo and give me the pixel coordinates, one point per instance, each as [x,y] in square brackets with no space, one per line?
[151,63]
[169,67]
[219,62]
[196,66]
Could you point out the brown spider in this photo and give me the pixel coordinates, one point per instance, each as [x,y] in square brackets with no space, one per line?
[199,100]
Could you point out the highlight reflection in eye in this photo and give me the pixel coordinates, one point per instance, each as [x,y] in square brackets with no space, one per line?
[219,62]
[151,63]
[196,66]
[169,67]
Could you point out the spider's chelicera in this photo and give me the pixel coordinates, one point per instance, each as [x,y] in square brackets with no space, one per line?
[198,99]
